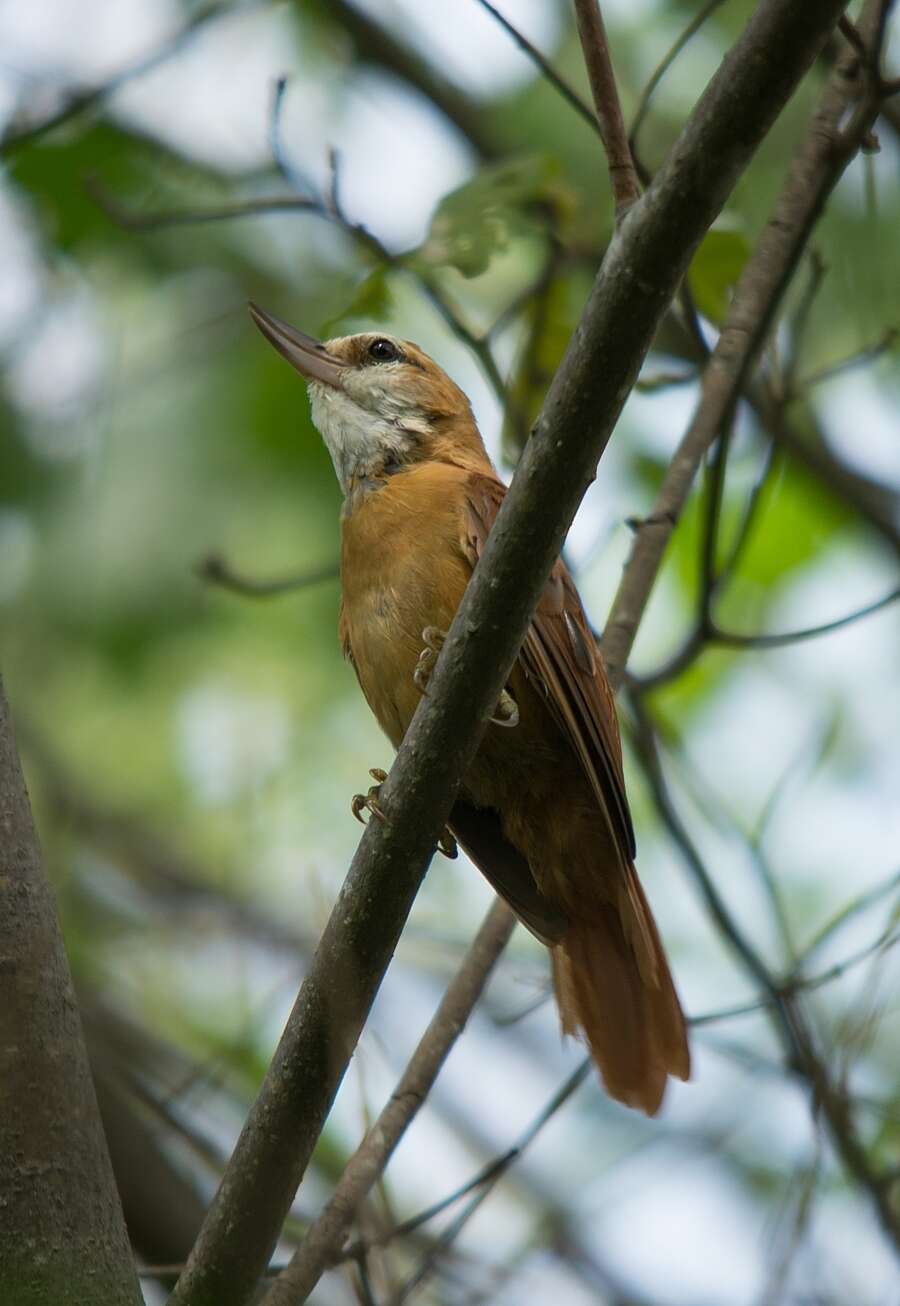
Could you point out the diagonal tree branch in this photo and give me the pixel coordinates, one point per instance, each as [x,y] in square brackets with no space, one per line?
[62,1236]
[598,61]
[641,271]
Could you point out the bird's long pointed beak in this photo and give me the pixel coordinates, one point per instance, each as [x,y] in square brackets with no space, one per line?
[307,355]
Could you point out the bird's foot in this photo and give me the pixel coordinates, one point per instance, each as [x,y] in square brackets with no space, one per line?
[368,802]
[433,639]
[506,713]
[448,845]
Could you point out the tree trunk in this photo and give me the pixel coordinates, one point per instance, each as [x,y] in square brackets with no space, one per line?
[62,1236]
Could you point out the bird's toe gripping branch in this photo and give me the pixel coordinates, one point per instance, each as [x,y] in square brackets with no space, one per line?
[433,639]
[506,713]
[369,802]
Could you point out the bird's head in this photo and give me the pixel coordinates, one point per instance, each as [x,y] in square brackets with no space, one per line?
[380,403]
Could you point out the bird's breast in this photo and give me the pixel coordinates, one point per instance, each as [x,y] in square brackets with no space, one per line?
[402,569]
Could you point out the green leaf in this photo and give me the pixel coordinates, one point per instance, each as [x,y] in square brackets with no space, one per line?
[715,270]
[501,203]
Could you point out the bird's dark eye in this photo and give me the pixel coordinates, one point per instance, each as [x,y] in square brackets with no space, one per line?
[384,351]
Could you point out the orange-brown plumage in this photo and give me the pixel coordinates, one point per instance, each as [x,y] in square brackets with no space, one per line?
[542,809]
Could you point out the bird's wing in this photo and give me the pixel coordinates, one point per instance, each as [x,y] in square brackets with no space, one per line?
[560,657]
[479,831]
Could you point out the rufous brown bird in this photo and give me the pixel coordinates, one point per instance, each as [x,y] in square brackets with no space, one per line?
[542,809]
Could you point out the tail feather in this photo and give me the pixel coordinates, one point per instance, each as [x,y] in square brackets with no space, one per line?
[613,983]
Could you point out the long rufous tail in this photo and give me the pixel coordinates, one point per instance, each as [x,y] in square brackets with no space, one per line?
[613,985]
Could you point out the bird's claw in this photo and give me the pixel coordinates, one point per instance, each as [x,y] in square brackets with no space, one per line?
[433,639]
[368,802]
[506,713]
[448,845]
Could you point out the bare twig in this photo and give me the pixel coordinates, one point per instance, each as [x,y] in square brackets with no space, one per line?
[158,220]
[886,940]
[214,570]
[731,639]
[800,319]
[643,266]
[876,503]
[708,633]
[324,1239]
[288,172]
[849,912]
[544,67]
[484,1185]
[598,61]
[665,64]
[862,356]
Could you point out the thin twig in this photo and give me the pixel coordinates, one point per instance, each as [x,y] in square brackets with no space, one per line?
[707,633]
[771,462]
[665,64]
[158,220]
[876,503]
[848,912]
[214,570]
[731,639]
[287,171]
[493,1176]
[544,67]
[800,320]
[598,61]
[886,940]
[862,356]
[795,982]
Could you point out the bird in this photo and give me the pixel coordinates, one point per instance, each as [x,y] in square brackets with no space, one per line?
[542,809]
